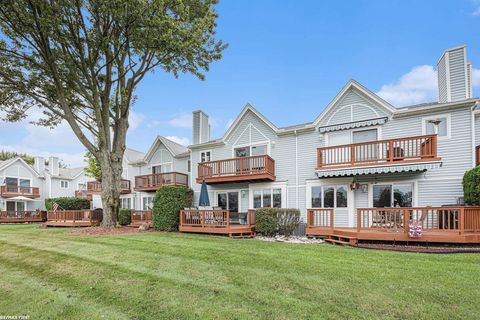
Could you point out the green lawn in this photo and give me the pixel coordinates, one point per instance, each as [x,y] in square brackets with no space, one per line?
[46,273]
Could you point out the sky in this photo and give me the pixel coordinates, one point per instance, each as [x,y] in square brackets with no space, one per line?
[288,59]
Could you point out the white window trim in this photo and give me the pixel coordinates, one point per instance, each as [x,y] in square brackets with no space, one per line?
[18,178]
[378,127]
[447,116]
[141,201]
[250,145]
[272,185]
[394,182]
[239,191]
[66,182]
[205,151]
[161,164]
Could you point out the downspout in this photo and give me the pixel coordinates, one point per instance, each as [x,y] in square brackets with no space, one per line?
[296,169]
[474,112]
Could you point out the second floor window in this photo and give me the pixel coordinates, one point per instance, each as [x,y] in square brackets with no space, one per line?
[162,168]
[247,151]
[64,184]
[205,156]
[9,181]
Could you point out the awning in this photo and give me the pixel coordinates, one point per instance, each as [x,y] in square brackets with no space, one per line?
[352,125]
[343,172]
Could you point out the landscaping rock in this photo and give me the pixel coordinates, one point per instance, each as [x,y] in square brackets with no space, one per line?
[291,239]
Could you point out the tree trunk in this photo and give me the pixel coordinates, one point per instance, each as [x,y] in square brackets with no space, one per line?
[111,188]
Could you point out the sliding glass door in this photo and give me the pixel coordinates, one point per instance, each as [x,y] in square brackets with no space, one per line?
[392,195]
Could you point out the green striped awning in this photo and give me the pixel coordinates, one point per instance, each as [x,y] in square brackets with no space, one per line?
[343,172]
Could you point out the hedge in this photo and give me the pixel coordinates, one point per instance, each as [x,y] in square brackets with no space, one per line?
[167,203]
[471,186]
[124,217]
[272,221]
[68,203]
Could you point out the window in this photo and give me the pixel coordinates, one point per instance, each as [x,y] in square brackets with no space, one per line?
[364,135]
[329,196]
[259,150]
[125,203]
[18,206]
[393,195]
[24,182]
[63,184]
[11,181]
[339,138]
[267,198]
[242,152]
[162,168]
[147,203]
[439,125]
[247,151]
[205,156]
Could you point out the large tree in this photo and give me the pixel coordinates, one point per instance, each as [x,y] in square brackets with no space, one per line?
[80,61]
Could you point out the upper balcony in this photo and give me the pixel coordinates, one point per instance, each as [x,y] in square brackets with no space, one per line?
[14,191]
[411,150]
[151,182]
[253,168]
[95,187]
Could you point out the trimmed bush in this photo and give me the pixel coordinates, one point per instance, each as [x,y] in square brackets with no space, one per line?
[124,217]
[68,203]
[272,221]
[167,203]
[471,186]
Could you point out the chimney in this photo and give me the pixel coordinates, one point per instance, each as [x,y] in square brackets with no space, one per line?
[53,166]
[454,75]
[39,165]
[201,127]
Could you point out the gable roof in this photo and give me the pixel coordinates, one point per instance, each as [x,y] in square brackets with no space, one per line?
[6,163]
[132,155]
[67,173]
[176,149]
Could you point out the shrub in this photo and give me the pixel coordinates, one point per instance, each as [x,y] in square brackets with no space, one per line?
[471,186]
[272,221]
[167,203]
[68,203]
[124,217]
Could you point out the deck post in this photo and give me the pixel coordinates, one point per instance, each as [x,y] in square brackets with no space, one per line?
[461,218]
[203,219]
[406,220]
[352,154]
[359,220]
[390,148]
[331,219]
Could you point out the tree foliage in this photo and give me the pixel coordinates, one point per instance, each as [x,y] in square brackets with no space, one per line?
[5,155]
[80,61]
[68,203]
[471,186]
[167,204]
[93,169]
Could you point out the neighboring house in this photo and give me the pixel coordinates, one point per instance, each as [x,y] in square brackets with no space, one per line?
[25,188]
[359,152]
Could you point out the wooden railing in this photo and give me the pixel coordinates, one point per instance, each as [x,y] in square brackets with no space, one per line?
[96,186]
[320,218]
[477,155]
[141,216]
[25,215]
[12,191]
[262,166]
[215,218]
[75,215]
[155,180]
[412,149]
[457,219]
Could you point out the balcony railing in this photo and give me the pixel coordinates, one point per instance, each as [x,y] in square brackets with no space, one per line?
[141,217]
[75,216]
[151,182]
[237,169]
[381,152]
[96,187]
[13,191]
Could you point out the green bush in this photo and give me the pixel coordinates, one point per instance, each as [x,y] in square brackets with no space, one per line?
[124,217]
[167,203]
[471,186]
[272,221]
[68,203]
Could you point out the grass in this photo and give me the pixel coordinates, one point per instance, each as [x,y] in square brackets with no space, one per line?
[47,274]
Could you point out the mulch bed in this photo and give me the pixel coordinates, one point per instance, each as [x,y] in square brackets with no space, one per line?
[99,231]
[421,248]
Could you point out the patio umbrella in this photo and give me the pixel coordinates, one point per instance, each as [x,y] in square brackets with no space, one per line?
[20,198]
[204,201]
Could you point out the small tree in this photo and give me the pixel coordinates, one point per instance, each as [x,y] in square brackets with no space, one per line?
[92,169]
[68,203]
[167,204]
[471,186]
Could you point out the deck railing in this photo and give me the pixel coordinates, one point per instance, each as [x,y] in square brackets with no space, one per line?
[75,215]
[96,186]
[12,191]
[24,215]
[456,219]
[156,180]
[320,218]
[237,167]
[215,218]
[139,216]
[412,149]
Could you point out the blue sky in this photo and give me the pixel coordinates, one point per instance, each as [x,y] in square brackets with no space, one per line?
[289,59]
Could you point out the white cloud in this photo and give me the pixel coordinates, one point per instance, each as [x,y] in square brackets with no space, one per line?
[72,160]
[154,124]
[229,124]
[182,141]
[181,120]
[476,77]
[416,86]
[135,119]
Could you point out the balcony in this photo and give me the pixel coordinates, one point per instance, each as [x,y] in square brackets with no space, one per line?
[411,150]
[253,168]
[14,191]
[151,182]
[95,187]
[74,218]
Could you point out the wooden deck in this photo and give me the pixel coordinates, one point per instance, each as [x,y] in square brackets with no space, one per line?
[439,224]
[14,191]
[22,216]
[218,222]
[74,218]
[141,218]
[151,182]
[253,168]
[377,153]
[95,187]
